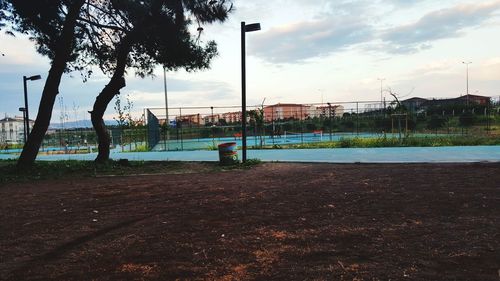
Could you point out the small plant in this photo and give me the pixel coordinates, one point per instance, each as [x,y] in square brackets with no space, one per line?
[252,162]
[140,148]
[239,165]
[213,146]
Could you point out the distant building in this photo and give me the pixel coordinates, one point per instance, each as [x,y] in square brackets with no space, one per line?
[413,104]
[231,117]
[191,119]
[211,119]
[416,103]
[283,111]
[12,129]
[324,111]
[481,100]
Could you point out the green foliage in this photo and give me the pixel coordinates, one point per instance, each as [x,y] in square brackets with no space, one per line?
[311,127]
[150,33]
[213,146]
[124,113]
[120,111]
[44,170]
[10,146]
[251,162]
[140,148]
[347,123]
[436,122]
[466,119]
[427,141]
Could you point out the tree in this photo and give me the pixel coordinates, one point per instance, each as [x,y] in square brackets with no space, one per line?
[121,118]
[113,34]
[399,111]
[53,26]
[466,120]
[257,121]
[149,33]
[125,119]
[436,122]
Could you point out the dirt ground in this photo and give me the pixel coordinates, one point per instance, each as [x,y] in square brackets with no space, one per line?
[270,222]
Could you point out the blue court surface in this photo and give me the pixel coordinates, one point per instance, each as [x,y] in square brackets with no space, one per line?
[285,139]
[334,155]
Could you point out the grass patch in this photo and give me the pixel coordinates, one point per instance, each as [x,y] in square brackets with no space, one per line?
[44,170]
[213,146]
[50,170]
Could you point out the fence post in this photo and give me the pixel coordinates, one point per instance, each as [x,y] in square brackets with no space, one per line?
[180,120]
[272,125]
[330,119]
[301,126]
[357,118]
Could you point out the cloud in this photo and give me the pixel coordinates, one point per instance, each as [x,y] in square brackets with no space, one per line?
[488,70]
[403,3]
[441,24]
[346,25]
[18,53]
[435,67]
[175,85]
[305,40]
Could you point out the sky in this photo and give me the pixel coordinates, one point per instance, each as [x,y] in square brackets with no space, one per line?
[307,52]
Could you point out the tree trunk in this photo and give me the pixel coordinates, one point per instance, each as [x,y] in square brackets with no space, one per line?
[51,88]
[96,115]
[104,98]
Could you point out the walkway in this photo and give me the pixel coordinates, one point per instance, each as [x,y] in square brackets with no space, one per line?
[336,155]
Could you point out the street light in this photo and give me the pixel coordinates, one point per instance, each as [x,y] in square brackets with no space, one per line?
[467,80]
[167,123]
[212,124]
[381,92]
[23,110]
[26,115]
[244,29]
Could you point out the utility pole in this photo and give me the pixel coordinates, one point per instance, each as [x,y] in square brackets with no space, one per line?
[244,29]
[467,81]
[381,92]
[330,119]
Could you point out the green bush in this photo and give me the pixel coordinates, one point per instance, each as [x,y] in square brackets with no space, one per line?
[140,148]
[411,141]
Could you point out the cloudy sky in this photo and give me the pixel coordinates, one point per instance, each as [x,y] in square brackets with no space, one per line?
[307,52]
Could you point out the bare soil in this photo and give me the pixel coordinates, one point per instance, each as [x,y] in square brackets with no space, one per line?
[270,222]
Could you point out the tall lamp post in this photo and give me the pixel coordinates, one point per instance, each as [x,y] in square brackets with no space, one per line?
[244,29]
[166,135]
[467,81]
[26,113]
[23,110]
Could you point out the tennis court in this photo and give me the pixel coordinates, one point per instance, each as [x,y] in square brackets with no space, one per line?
[256,141]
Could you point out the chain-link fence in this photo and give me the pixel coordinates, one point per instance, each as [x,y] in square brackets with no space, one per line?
[191,128]
[272,125]
[84,140]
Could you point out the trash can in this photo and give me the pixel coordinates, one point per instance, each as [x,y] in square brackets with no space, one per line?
[228,153]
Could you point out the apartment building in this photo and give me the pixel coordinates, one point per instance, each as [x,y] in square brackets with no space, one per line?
[12,129]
